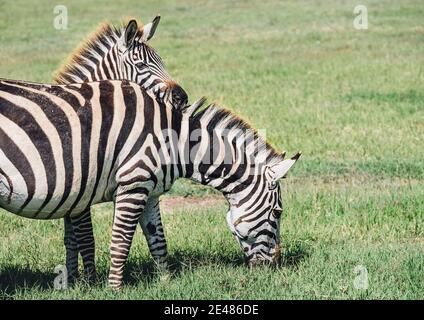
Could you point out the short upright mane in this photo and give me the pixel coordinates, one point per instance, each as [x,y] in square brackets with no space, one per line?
[220,118]
[105,36]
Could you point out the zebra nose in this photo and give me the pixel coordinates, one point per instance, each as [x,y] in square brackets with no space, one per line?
[179,97]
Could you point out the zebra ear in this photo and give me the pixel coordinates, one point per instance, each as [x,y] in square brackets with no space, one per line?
[130,32]
[280,170]
[149,29]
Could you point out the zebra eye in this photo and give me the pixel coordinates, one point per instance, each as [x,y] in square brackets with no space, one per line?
[273,185]
[277,213]
[140,65]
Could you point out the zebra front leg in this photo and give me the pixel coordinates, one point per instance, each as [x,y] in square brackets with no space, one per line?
[151,223]
[128,208]
[71,251]
[83,231]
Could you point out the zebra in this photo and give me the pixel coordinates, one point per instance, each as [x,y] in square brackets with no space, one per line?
[64,148]
[120,54]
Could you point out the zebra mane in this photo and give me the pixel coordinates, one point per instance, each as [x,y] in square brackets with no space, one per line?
[106,35]
[220,118]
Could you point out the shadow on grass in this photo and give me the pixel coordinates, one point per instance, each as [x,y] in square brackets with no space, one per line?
[17,278]
[295,254]
[180,260]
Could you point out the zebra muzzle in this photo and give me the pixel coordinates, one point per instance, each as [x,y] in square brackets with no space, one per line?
[257,260]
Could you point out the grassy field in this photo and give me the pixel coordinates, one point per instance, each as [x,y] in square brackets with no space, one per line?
[352,101]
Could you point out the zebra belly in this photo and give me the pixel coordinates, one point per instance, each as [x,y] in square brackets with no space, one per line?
[17,197]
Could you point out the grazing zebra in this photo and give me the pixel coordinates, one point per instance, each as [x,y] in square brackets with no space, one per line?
[65,148]
[119,54]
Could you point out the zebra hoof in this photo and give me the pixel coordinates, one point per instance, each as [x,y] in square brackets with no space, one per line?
[115,288]
[91,278]
[73,279]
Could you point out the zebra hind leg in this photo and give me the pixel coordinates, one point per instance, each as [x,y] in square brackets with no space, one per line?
[71,251]
[151,223]
[129,205]
[83,230]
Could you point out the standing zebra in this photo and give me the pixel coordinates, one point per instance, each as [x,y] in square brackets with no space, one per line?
[119,54]
[114,141]
[123,54]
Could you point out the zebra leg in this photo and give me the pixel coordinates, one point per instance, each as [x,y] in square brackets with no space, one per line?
[83,230]
[128,208]
[71,251]
[152,227]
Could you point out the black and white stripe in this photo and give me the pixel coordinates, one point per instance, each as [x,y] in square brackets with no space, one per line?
[113,54]
[65,148]
[123,54]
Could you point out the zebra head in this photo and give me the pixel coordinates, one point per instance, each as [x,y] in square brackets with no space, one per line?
[144,66]
[255,211]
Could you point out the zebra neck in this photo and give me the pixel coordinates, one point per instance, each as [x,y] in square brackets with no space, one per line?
[106,66]
[210,160]
[95,63]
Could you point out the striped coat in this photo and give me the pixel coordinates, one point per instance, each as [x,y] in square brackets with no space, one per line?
[65,148]
[113,53]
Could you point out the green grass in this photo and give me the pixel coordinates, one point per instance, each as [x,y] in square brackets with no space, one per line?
[351,100]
